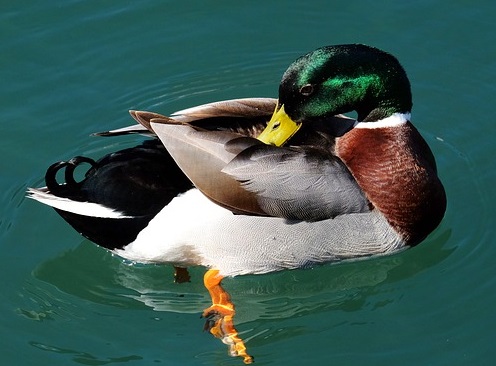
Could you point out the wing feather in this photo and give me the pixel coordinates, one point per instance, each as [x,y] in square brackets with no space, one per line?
[297,183]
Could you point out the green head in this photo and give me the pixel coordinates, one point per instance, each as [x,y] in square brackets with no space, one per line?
[345,78]
[338,79]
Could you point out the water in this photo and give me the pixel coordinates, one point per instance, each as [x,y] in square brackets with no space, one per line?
[70,68]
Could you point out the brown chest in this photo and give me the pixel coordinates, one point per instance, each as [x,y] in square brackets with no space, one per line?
[395,168]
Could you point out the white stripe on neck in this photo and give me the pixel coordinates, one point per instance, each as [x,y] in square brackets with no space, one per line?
[394,120]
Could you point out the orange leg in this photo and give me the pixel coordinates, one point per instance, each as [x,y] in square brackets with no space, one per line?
[220,316]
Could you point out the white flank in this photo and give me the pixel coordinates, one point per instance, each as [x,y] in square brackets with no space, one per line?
[81,208]
[394,120]
[172,235]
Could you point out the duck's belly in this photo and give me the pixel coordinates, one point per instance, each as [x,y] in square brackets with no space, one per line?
[192,230]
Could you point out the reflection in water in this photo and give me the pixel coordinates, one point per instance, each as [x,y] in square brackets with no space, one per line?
[83,357]
[94,275]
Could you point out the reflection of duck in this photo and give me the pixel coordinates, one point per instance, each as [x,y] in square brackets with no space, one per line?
[341,189]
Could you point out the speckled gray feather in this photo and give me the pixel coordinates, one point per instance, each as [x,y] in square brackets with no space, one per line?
[297,183]
[278,244]
[241,244]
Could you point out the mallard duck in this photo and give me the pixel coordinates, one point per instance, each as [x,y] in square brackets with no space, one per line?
[313,187]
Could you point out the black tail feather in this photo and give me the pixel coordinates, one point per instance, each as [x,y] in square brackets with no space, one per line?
[137,181]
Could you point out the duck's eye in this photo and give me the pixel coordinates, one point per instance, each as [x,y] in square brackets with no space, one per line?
[306,90]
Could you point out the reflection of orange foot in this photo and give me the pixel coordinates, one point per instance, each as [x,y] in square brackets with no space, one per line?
[220,316]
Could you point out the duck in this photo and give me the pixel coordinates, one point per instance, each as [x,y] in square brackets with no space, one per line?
[264,184]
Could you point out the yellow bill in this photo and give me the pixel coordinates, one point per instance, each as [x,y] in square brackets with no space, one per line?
[280,128]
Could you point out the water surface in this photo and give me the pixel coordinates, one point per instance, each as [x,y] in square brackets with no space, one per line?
[70,68]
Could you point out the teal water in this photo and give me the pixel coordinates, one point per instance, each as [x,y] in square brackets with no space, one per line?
[70,68]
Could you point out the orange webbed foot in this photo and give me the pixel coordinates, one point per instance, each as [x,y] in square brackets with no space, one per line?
[220,316]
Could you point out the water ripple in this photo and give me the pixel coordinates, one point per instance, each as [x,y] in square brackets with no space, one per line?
[84,358]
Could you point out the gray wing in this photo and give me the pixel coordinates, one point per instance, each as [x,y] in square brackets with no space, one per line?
[297,183]
[202,155]
[246,176]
